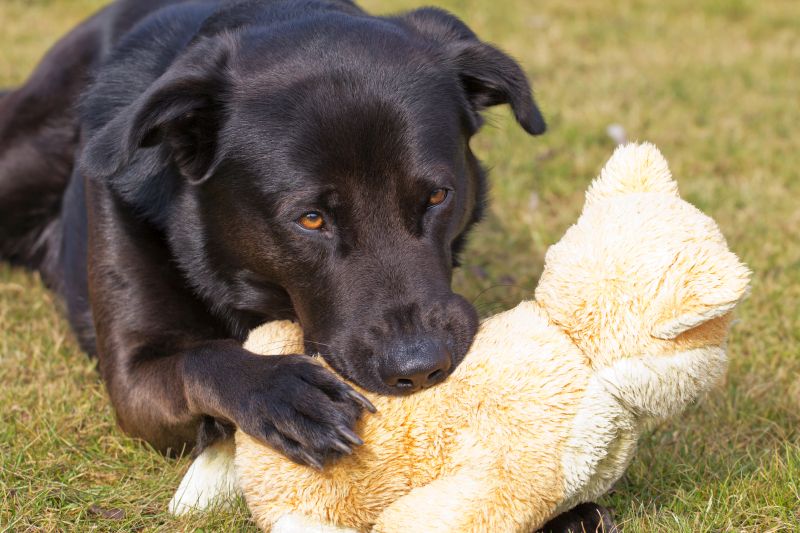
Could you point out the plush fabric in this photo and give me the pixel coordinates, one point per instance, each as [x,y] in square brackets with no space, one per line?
[627,328]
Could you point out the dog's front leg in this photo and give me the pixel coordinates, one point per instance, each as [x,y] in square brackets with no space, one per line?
[290,403]
[170,365]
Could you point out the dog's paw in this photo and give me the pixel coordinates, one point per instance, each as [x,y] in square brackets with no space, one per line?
[583,518]
[301,409]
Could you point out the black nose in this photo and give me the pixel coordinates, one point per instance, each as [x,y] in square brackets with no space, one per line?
[415,363]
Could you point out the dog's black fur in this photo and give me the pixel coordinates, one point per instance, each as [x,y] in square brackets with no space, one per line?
[156,164]
[154,169]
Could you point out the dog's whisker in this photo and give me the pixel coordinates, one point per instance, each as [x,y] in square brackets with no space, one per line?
[331,348]
[498,286]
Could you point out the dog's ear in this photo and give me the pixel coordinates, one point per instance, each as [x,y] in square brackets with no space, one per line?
[181,113]
[489,76]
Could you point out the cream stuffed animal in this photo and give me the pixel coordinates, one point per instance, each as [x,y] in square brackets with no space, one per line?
[627,329]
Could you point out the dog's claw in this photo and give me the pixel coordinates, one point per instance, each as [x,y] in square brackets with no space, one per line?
[342,447]
[348,434]
[311,461]
[361,399]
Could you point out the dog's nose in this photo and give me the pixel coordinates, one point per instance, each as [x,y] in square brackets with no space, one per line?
[415,363]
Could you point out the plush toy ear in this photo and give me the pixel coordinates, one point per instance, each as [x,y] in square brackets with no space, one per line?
[489,76]
[633,168]
[717,281]
[182,111]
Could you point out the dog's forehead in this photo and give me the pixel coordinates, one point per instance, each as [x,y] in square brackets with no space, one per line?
[339,130]
[337,96]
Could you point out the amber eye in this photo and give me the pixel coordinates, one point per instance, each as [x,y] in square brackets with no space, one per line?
[311,221]
[437,197]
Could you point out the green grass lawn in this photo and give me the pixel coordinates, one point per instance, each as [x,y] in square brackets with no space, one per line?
[714,83]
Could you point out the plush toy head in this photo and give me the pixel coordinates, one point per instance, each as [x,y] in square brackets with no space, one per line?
[628,326]
[620,291]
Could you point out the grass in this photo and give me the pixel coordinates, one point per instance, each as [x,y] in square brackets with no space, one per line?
[714,83]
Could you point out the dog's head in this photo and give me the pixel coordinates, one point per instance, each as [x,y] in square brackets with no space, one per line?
[326,164]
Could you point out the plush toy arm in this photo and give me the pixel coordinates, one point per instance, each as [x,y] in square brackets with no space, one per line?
[463,503]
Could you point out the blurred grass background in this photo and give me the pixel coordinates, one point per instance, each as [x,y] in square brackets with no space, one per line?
[714,83]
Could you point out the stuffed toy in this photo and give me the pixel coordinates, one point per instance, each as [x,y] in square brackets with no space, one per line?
[627,328]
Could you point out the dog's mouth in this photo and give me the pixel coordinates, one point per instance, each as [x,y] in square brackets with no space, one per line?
[399,367]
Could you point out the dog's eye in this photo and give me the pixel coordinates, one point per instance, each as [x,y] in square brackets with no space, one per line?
[312,221]
[437,197]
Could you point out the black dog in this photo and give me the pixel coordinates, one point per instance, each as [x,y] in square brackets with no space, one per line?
[232,163]
[182,171]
